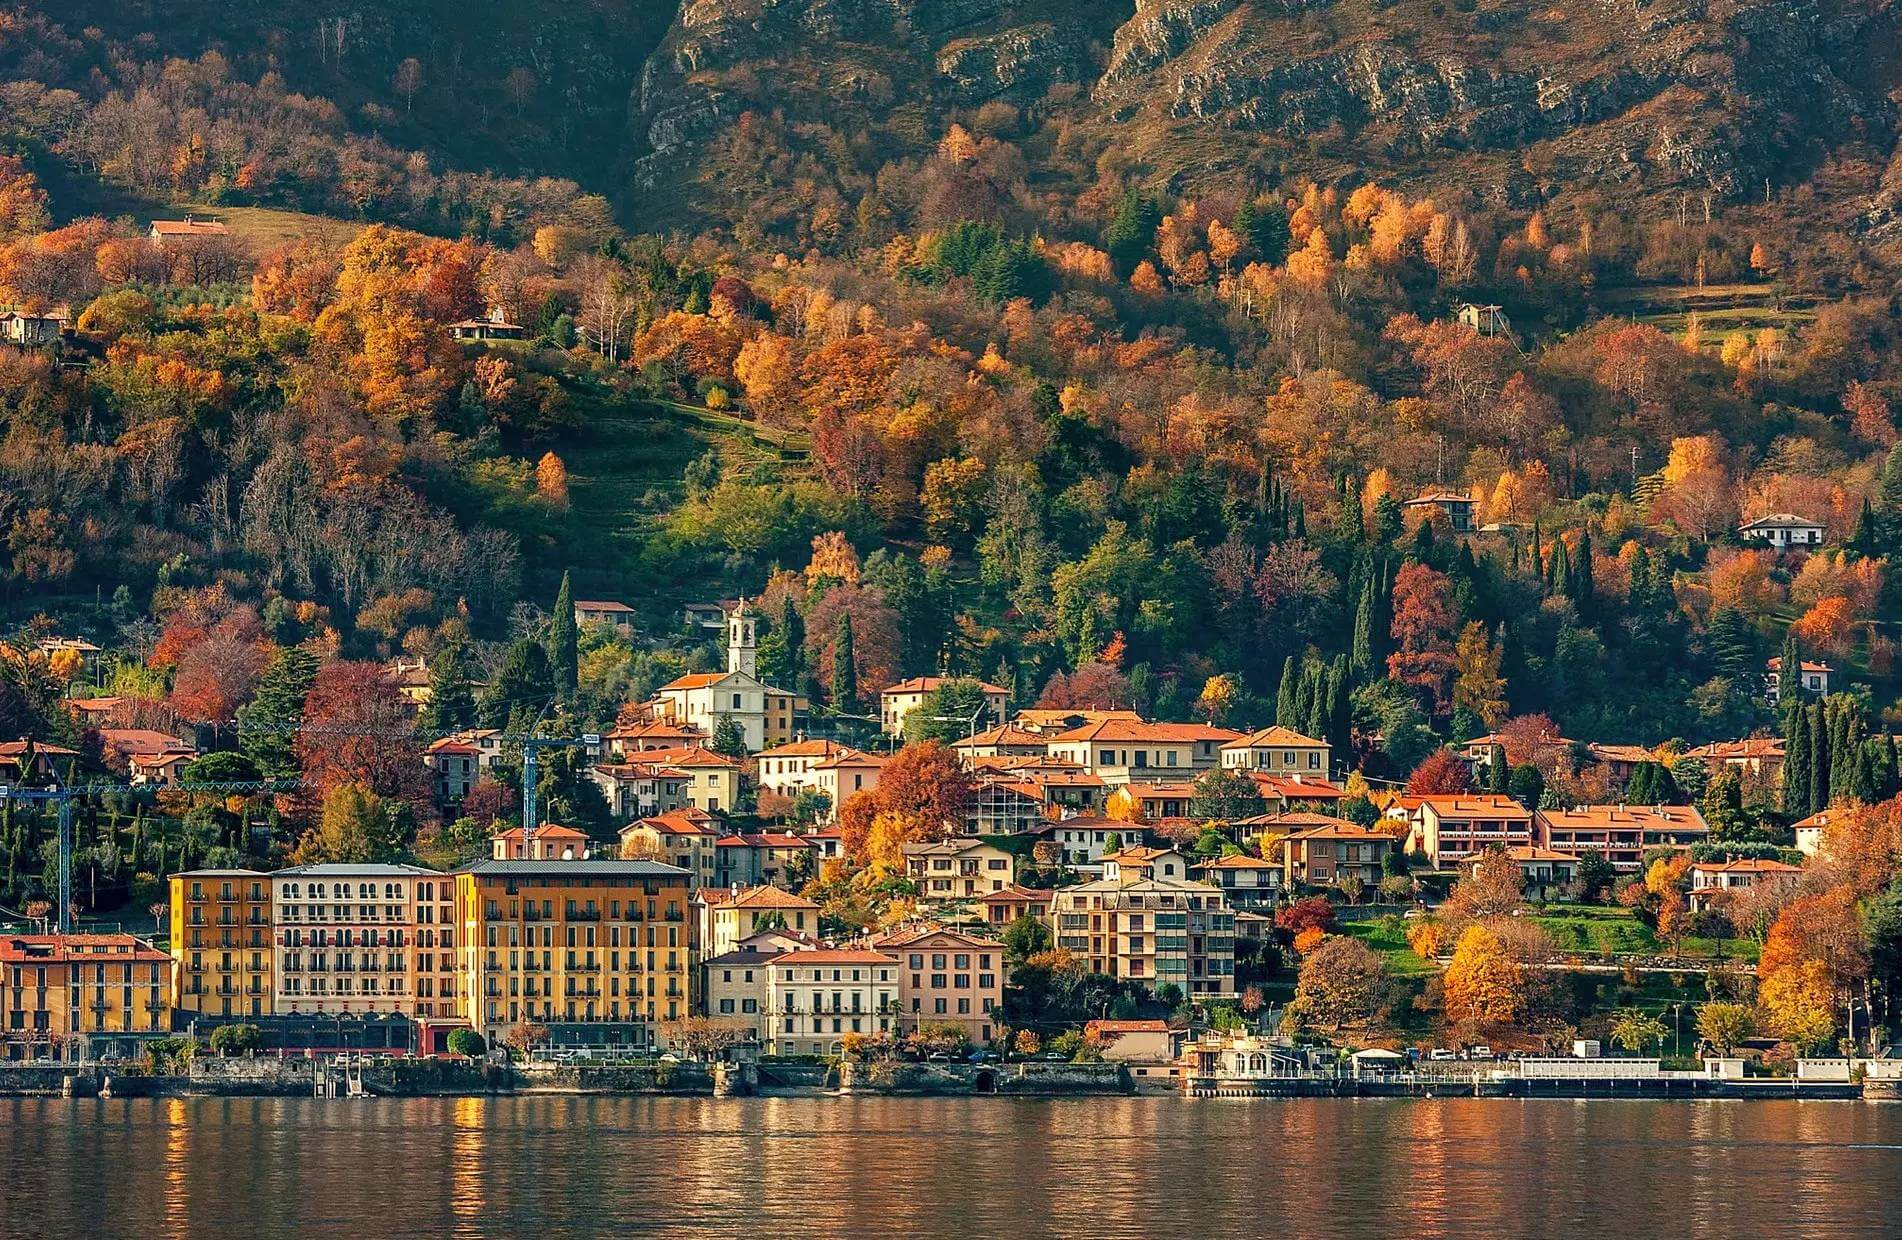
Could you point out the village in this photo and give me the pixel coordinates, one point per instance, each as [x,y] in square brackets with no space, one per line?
[1183,873]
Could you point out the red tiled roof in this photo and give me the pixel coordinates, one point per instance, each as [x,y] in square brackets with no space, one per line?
[834,956]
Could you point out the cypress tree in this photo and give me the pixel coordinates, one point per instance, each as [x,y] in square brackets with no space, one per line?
[845,676]
[1317,716]
[1790,674]
[1559,572]
[1867,539]
[1285,694]
[1538,554]
[1819,759]
[1582,584]
[1365,652]
[1796,762]
[563,648]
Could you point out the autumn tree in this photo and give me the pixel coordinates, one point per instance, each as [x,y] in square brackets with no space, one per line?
[357,732]
[1342,983]
[1422,629]
[1483,984]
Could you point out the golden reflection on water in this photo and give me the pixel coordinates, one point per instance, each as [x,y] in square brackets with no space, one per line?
[468,1177]
[870,1168]
[178,1151]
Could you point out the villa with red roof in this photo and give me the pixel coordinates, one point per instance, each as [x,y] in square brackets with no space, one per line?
[897,701]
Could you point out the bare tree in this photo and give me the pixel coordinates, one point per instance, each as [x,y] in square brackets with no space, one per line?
[407,81]
[608,305]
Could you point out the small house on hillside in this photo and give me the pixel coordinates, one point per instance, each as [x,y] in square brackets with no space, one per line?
[189,229]
[1814,677]
[494,325]
[1783,529]
[34,329]
[1457,505]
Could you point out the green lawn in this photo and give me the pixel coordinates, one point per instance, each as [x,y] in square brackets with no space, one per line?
[1596,928]
[1391,942]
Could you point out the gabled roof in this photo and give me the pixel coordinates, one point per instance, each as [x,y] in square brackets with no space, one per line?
[695,680]
[581,604]
[1775,663]
[678,822]
[1001,735]
[1014,894]
[925,684]
[849,757]
[802,749]
[543,831]
[1474,804]
[1136,731]
[1780,520]
[826,956]
[1273,736]
[1746,865]
[189,227]
[1236,861]
[768,897]
[1439,495]
[762,839]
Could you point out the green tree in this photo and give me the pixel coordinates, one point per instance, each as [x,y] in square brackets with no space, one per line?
[845,674]
[267,725]
[949,713]
[466,1043]
[728,738]
[1228,796]
[525,683]
[1131,231]
[237,1039]
[1634,1029]
[451,706]
[563,654]
[1025,937]
[1724,1025]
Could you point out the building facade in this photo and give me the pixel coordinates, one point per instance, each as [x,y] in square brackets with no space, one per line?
[67,997]
[818,998]
[595,952]
[1156,932]
[220,930]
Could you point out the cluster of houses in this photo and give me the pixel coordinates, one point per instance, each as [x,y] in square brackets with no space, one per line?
[1080,820]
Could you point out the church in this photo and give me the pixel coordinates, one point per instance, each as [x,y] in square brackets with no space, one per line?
[766,716]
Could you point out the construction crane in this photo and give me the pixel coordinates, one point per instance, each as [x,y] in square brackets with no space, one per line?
[532,746]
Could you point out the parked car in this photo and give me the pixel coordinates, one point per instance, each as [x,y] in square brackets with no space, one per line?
[1480,1052]
[1441,1055]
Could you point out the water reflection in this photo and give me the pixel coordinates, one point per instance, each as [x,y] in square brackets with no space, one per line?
[863,1168]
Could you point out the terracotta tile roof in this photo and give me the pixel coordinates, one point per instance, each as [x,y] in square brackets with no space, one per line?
[925,684]
[79,948]
[679,822]
[1276,735]
[695,680]
[1136,731]
[545,831]
[1746,865]
[1236,861]
[1013,894]
[1003,734]
[1613,817]
[834,956]
[767,897]
[1474,805]
[581,604]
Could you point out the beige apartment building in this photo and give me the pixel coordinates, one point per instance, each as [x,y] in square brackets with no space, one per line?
[947,978]
[1155,931]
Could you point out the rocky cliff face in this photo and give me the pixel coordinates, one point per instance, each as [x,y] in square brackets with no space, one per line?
[1636,97]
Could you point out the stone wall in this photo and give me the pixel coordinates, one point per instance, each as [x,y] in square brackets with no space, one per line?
[1043,1079]
[660,1078]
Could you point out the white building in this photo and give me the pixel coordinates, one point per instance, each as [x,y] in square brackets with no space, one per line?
[1278,751]
[765,715]
[1783,529]
[897,701]
[818,997]
[347,939]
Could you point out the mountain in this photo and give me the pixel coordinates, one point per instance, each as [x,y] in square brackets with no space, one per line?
[1518,102]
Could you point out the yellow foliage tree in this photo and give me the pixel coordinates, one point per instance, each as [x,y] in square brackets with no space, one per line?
[1483,983]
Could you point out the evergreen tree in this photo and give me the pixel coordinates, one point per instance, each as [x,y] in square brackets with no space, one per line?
[1264,222]
[1366,640]
[1558,574]
[1796,762]
[1581,585]
[1889,496]
[451,706]
[1317,716]
[1285,694]
[1819,759]
[266,725]
[1733,649]
[563,652]
[525,684]
[1388,520]
[1132,228]
[728,738]
[1790,675]
[1867,540]
[845,675]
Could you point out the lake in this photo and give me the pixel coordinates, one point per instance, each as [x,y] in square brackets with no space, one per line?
[1149,1166]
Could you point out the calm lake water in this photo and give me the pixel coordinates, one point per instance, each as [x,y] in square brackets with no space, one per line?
[989,1167]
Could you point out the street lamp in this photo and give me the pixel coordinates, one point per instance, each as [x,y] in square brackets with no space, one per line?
[1677,1045]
